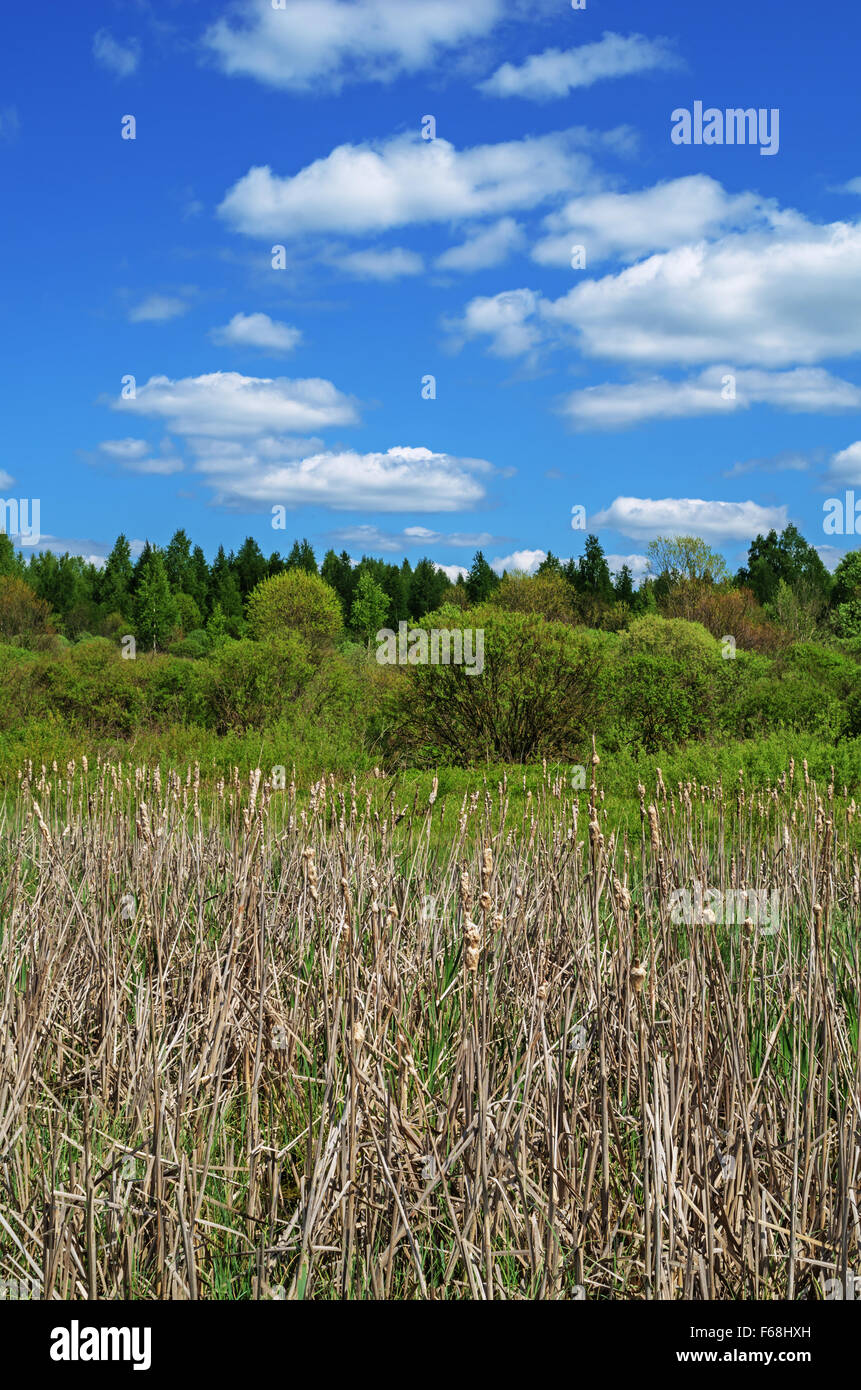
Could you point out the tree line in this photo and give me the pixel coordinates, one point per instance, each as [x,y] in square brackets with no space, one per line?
[173,594]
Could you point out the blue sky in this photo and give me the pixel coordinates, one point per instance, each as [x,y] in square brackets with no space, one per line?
[698,374]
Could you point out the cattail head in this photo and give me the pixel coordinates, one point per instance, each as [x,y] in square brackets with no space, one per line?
[637,975]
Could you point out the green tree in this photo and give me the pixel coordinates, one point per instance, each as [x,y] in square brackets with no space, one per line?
[481,580]
[296,601]
[593,572]
[370,608]
[673,559]
[177,562]
[155,607]
[428,587]
[624,586]
[302,557]
[786,557]
[337,571]
[115,581]
[22,613]
[250,566]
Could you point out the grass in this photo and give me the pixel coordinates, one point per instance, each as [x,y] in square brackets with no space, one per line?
[405,1038]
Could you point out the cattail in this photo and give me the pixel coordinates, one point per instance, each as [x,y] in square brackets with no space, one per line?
[654,829]
[472,945]
[637,975]
[358,1033]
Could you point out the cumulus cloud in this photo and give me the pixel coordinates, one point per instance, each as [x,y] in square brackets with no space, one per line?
[402,479]
[525,560]
[119,58]
[453,572]
[384,264]
[770,299]
[637,564]
[556,72]
[667,215]
[257,331]
[845,466]
[314,45]
[616,405]
[405,181]
[484,247]
[791,294]
[227,404]
[158,308]
[641,518]
[508,319]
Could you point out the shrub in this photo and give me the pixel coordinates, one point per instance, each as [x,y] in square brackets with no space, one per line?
[250,684]
[296,602]
[538,694]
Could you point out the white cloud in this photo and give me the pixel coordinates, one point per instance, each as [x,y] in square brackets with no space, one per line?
[407,181]
[134,456]
[402,479]
[556,71]
[257,331]
[642,518]
[830,556]
[659,218]
[119,58]
[789,461]
[125,450]
[525,560]
[227,404]
[508,319]
[158,308]
[789,297]
[6,479]
[314,45]
[615,405]
[411,538]
[851,186]
[484,248]
[385,264]
[845,466]
[637,564]
[452,572]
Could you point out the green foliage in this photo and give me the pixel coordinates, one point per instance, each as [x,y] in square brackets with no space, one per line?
[22,613]
[539,692]
[299,602]
[481,580]
[155,607]
[249,684]
[370,608]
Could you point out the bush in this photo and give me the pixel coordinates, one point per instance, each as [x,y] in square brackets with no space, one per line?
[296,602]
[195,644]
[250,684]
[539,693]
